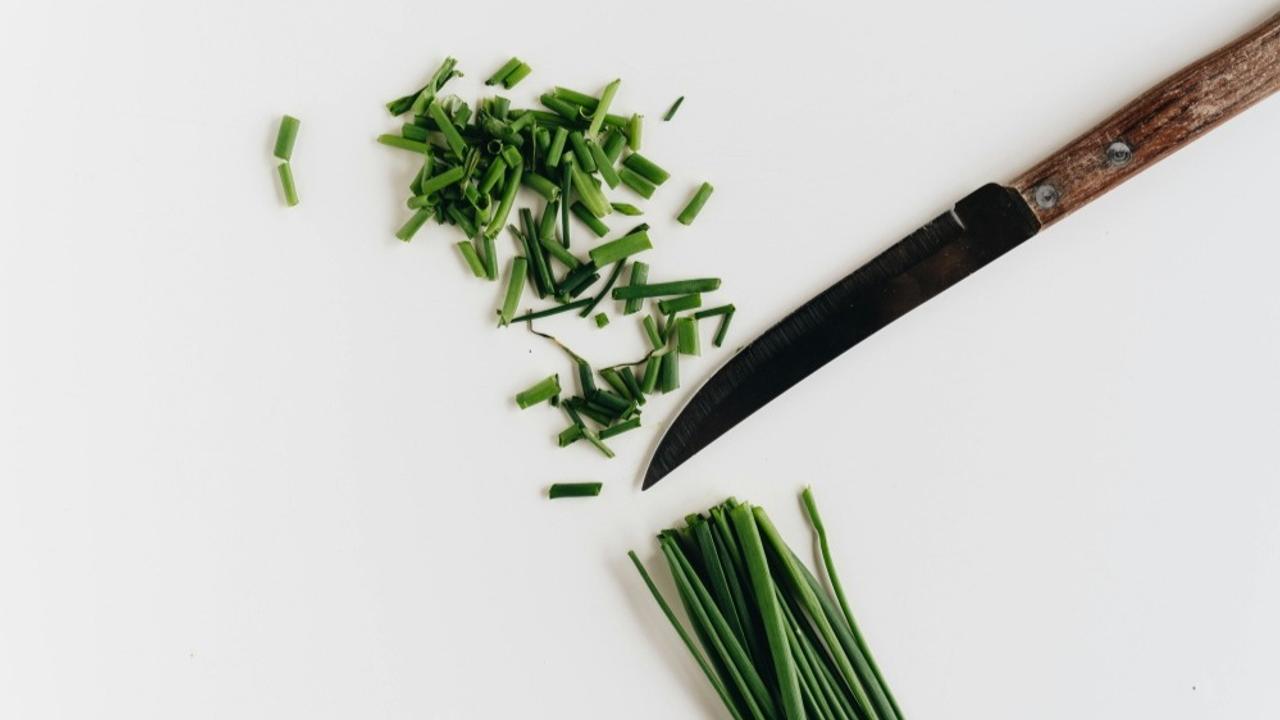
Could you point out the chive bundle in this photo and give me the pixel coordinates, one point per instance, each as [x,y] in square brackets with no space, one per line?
[286,136]
[574,153]
[774,642]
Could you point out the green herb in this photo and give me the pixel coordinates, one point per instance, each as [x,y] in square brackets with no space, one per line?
[503,71]
[603,164]
[636,182]
[540,185]
[604,292]
[559,252]
[627,209]
[619,428]
[472,259]
[672,111]
[634,129]
[565,490]
[557,147]
[413,224]
[624,246]
[680,304]
[508,199]
[567,307]
[646,168]
[669,373]
[514,77]
[451,135]
[515,286]
[639,274]
[541,391]
[404,144]
[286,136]
[588,192]
[581,152]
[613,145]
[663,289]
[435,184]
[577,98]
[591,221]
[285,172]
[723,329]
[687,336]
[652,368]
[694,207]
[602,109]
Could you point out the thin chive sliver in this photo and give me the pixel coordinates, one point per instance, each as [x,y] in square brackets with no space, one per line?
[514,77]
[601,110]
[694,207]
[636,182]
[286,136]
[574,490]
[623,247]
[396,141]
[582,213]
[515,287]
[457,145]
[666,289]
[414,224]
[646,168]
[680,304]
[671,112]
[669,374]
[540,391]
[469,255]
[285,172]
[687,336]
[605,167]
[506,69]
[558,309]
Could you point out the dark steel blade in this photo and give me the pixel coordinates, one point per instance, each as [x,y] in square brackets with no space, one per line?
[982,227]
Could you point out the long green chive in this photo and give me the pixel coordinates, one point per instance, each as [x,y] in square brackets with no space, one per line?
[547,221]
[602,109]
[451,135]
[614,377]
[512,156]
[286,136]
[409,131]
[627,209]
[436,183]
[646,168]
[469,255]
[603,165]
[515,286]
[514,77]
[687,336]
[680,304]
[669,374]
[503,71]
[723,329]
[639,274]
[624,246]
[604,293]
[591,221]
[590,195]
[581,152]
[541,269]
[541,391]
[493,175]
[664,289]
[541,185]
[694,207]
[285,173]
[508,198]
[567,307]
[564,490]
[613,144]
[404,144]
[672,111]
[413,224]
[636,182]
[634,129]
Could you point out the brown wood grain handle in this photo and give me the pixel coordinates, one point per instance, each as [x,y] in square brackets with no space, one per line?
[1166,118]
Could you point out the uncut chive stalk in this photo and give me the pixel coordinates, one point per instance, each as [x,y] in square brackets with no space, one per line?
[603,165]
[680,304]
[602,108]
[469,255]
[285,172]
[567,307]
[687,336]
[514,77]
[636,182]
[646,168]
[608,285]
[664,289]
[815,519]
[788,681]
[623,247]
[286,136]
[564,490]
[540,391]
[591,221]
[715,681]
[451,135]
[694,207]
[503,71]
[671,112]
[515,286]
[508,199]
[736,574]
[639,274]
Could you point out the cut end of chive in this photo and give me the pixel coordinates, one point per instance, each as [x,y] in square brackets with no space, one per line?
[286,136]
[601,320]
[541,391]
[571,490]
[672,111]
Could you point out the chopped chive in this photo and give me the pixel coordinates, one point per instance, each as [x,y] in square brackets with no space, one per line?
[652,332]
[498,107]
[636,182]
[646,168]
[515,286]
[591,221]
[603,165]
[519,123]
[664,289]
[558,251]
[286,136]
[514,77]
[624,246]
[614,377]
[581,152]
[541,185]
[285,173]
[575,97]
[586,377]
[503,71]
[694,207]
[627,209]
[712,312]
[541,269]
[492,175]
[608,285]
[633,385]
[404,144]
[569,435]
[512,156]
[680,304]
[552,310]
[620,428]
[557,147]
[436,183]
[508,199]
[613,144]
[461,220]
[579,279]
[472,259]
[661,328]
[409,131]
[602,109]
[649,383]
[565,490]
[723,329]
[669,374]
[596,413]
[413,224]
[639,274]
[609,402]
[590,195]
[540,391]
[687,336]
[547,222]
[451,135]
[490,256]
[671,112]
[566,110]
[634,129]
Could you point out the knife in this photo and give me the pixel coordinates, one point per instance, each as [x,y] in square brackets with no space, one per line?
[980,228]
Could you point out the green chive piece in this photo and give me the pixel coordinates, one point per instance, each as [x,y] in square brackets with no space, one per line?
[566,110]
[608,285]
[669,374]
[591,221]
[490,256]
[514,77]
[723,329]
[633,384]
[508,199]
[636,182]
[614,377]
[558,251]
[634,129]
[461,220]
[687,336]
[580,277]
[494,174]
[618,429]
[547,222]
[568,490]
[285,173]
[472,259]
[694,207]
[435,184]
[646,168]
[624,246]
[590,195]
[639,274]
[672,111]
[503,71]
[515,286]
[627,209]
[557,147]
[603,165]
[602,109]
[664,289]
[540,391]
[566,183]
[413,224]
[520,122]
[404,144]
[409,131]
[569,435]
[541,185]
[581,152]
[567,307]
[652,332]
[680,304]
[712,312]
[286,136]
[451,135]
[512,156]
[613,145]
[649,383]
[575,97]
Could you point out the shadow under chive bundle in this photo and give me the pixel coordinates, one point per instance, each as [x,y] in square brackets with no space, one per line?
[573,154]
[774,642]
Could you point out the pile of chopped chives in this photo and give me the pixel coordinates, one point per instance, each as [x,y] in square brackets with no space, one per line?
[573,153]
[285,138]
[774,642]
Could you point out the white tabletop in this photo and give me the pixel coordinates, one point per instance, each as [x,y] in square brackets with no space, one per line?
[259,462]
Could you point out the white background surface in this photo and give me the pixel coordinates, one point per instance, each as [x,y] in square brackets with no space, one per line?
[263,463]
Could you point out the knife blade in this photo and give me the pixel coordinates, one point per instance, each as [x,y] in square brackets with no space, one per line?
[979,229]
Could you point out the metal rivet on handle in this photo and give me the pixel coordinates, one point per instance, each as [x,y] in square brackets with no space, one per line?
[1046,196]
[1119,154]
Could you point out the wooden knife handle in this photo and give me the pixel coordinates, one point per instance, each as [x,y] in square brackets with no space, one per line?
[1166,118]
